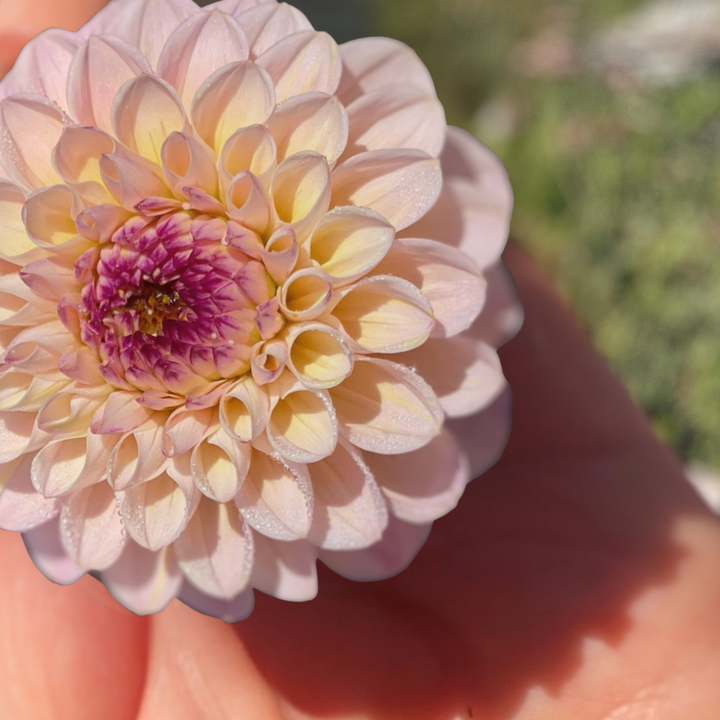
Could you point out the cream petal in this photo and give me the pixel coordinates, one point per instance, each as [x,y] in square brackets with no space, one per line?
[49,556]
[30,126]
[252,149]
[385,408]
[91,527]
[235,96]
[184,429]
[244,411]
[318,356]
[303,62]
[267,361]
[47,215]
[306,294]
[396,116]
[219,465]
[401,542]
[276,499]
[311,121]
[374,63]
[384,314]
[68,465]
[146,110]
[348,242]
[144,581]
[300,191]
[120,413]
[68,413]
[215,551]
[23,391]
[21,507]
[51,278]
[98,71]
[423,485]
[130,180]
[19,434]
[447,278]
[81,365]
[99,223]
[350,511]
[16,246]
[229,611]
[268,23]
[464,373]
[156,512]
[401,185]
[201,45]
[187,164]
[247,203]
[285,570]
[137,458]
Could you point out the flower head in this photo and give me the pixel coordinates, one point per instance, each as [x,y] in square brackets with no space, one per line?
[240,279]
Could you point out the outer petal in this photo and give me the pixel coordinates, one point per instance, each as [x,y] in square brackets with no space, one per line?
[229,611]
[16,245]
[304,62]
[215,551]
[204,43]
[385,408]
[373,63]
[268,23]
[237,7]
[50,557]
[144,581]
[424,485]
[401,185]
[285,570]
[350,512]
[21,507]
[401,542]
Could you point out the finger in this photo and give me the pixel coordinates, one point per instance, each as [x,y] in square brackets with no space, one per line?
[66,653]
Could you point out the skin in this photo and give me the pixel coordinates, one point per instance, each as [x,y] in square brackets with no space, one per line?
[579,579]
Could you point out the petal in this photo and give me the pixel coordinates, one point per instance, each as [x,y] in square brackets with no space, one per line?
[131,180]
[155,512]
[184,429]
[204,43]
[100,68]
[318,356]
[401,542]
[385,408]
[68,413]
[48,554]
[51,278]
[464,373]
[348,242]
[311,121]
[268,23]
[16,245]
[137,458]
[285,570]
[247,203]
[252,149]
[19,434]
[306,294]
[144,581]
[396,116]
[120,413]
[21,507]
[244,411]
[423,485]
[350,511]
[30,126]
[91,527]
[47,215]
[304,62]
[233,97]
[447,278]
[145,112]
[401,185]
[384,314]
[373,63]
[237,7]
[219,464]
[215,551]
[229,611]
[186,163]
[276,498]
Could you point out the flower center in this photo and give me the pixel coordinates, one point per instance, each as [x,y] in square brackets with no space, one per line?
[155,306]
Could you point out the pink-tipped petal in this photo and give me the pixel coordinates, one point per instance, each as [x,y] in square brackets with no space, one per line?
[401,185]
[204,43]
[48,554]
[285,570]
[424,485]
[21,506]
[229,611]
[400,543]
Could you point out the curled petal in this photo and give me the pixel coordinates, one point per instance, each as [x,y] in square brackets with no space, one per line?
[16,246]
[48,554]
[303,62]
[244,411]
[268,23]
[99,223]
[120,413]
[51,278]
[130,181]
[281,253]
[350,512]
[285,570]
[250,149]
[233,97]
[276,498]
[47,215]
[21,507]
[219,465]
[247,203]
[385,408]
[30,127]
[267,361]
[401,185]
[201,45]
[215,551]
[68,413]
[306,294]
[98,71]
[23,391]
[186,163]
[91,527]
[136,458]
[318,356]
[374,63]
[19,434]
[348,242]
[311,121]
[384,314]
[423,485]
[142,580]
[184,429]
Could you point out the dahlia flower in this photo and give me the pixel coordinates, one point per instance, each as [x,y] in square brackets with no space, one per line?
[245,276]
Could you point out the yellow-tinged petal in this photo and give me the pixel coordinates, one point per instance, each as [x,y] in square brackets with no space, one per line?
[318,355]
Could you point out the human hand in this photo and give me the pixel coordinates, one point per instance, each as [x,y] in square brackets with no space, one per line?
[580,578]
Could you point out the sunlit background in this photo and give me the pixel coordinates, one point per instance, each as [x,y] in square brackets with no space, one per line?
[607,115]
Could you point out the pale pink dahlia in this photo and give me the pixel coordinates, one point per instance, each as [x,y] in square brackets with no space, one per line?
[239,296]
